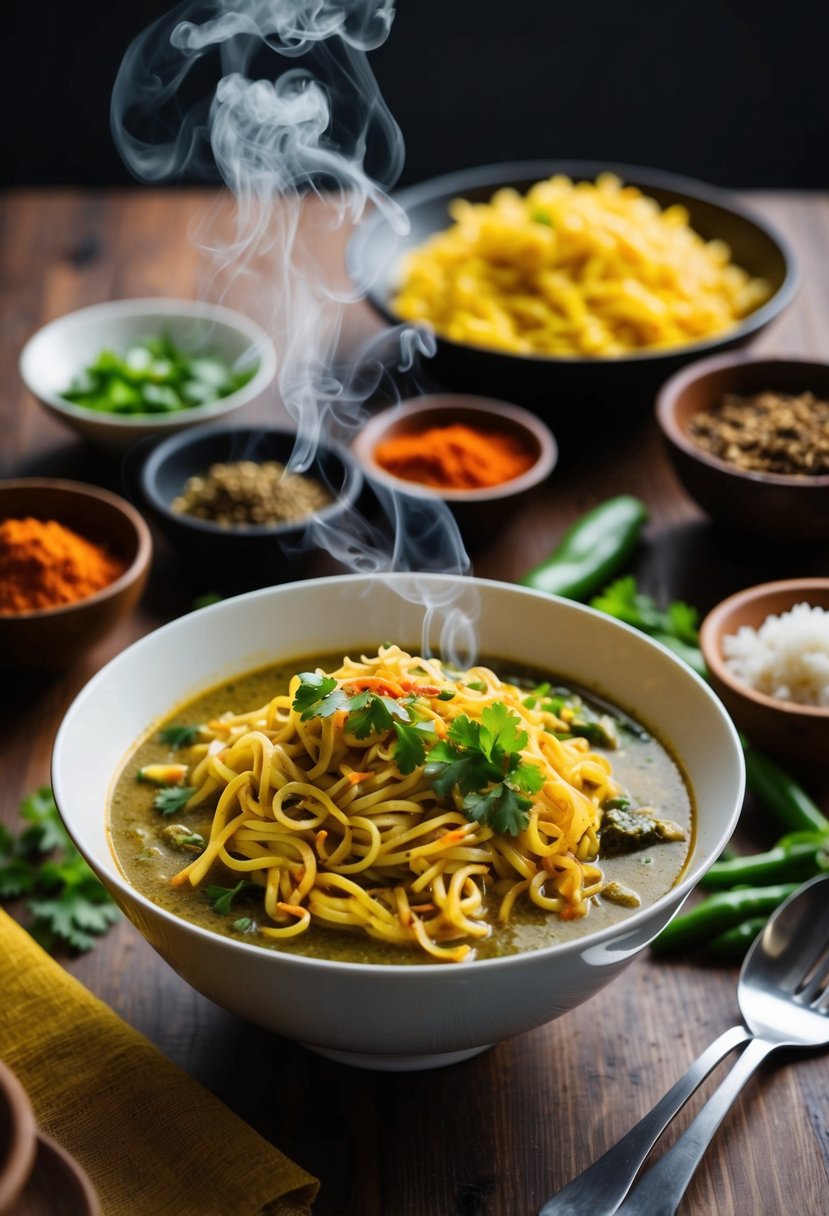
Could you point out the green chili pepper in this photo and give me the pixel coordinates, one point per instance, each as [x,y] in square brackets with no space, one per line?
[788,861]
[789,803]
[734,942]
[591,551]
[719,912]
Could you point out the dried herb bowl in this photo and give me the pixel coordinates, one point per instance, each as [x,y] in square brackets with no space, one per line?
[229,558]
[791,508]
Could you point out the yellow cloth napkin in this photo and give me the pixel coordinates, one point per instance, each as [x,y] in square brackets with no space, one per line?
[152,1140]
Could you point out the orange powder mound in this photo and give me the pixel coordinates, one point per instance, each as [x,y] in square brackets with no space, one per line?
[43,564]
[454,457]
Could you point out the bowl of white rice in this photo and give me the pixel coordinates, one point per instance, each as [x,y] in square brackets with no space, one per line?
[767,651]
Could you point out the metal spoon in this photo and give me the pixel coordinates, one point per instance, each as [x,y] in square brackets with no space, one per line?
[783,993]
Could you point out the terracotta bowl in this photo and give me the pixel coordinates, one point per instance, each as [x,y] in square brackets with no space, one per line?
[799,733]
[787,508]
[474,509]
[57,637]
[18,1139]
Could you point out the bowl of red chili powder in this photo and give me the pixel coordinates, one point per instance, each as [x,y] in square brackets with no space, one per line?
[73,562]
[475,454]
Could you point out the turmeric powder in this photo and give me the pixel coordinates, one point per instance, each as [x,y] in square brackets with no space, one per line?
[454,457]
[43,564]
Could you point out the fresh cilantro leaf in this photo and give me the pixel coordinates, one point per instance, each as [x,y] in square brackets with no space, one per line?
[483,759]
[46,831]
[17,877]
[527,777]
[410,750]
[67,903]
[370,714]
[317,696]
[171,798]
[179,736]
[501,807]
[501,733]
[223,897]
[684,622]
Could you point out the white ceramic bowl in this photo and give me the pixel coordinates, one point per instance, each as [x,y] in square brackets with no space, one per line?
[394,1017]
[57,353]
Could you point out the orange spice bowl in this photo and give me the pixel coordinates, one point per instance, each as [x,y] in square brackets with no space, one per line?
[473,507]
[54,638]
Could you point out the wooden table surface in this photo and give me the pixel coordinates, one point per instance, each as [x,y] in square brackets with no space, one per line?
[496,1135]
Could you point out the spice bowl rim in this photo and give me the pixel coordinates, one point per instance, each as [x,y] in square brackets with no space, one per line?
[716,623]
[516,417]
[671,390]
[134,571]
[345,497]
[115,430]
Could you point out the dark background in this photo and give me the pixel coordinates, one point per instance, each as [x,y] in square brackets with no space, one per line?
[725,90]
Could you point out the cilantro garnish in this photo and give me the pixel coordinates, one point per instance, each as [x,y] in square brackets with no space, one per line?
[179,736]
[317,696]
[411,744]
[171,798]
[368,713]
[483,759]
[223,897]
[245,924]
[67,903]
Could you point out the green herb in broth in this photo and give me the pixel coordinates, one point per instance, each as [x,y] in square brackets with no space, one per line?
[640,763]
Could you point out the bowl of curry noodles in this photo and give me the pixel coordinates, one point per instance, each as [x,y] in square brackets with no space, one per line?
[398,819]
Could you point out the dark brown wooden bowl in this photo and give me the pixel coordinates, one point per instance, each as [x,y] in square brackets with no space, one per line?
[782,508]
[18,1139]
[56,637]
[797,733]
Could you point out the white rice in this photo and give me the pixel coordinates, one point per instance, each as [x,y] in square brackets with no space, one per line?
[786,658]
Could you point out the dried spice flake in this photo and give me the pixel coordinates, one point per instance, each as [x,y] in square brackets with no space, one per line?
[769,432]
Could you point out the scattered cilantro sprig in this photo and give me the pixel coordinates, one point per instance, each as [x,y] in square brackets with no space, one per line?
[675,626]
[368,712]
[222,897]
[170,799]
[179,736]
[67,903]
[484,760]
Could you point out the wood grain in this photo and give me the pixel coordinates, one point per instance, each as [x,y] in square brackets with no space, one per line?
[496,1135]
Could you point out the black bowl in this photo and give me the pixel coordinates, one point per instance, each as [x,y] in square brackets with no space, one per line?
[235,558]
[549,384]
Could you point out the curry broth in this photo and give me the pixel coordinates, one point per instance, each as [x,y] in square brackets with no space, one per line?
[641,764]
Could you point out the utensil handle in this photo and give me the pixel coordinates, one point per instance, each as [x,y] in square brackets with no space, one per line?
[602,1186]
[660,1191]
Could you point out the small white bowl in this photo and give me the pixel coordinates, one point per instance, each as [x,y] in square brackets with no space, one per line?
[62,349]
[396,1016]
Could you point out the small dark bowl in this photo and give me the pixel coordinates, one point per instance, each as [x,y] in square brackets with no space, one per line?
[792,732]
[782,508]
[550,384]
[53,638]
[476,510]
[247,556]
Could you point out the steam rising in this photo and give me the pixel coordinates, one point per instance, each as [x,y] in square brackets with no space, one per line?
[186,104]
